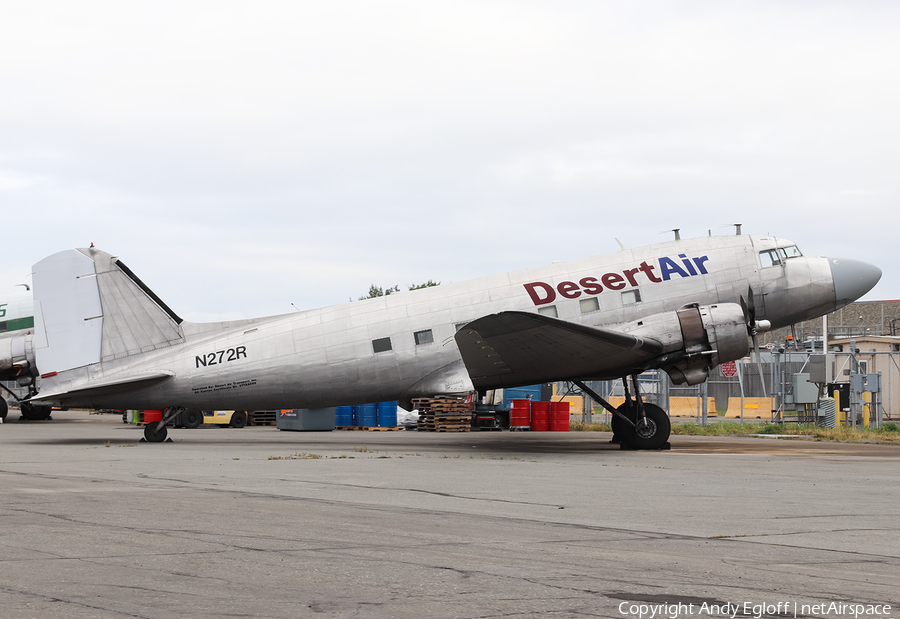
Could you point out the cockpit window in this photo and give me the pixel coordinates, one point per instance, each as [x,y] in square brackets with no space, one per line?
[769,258]
[775,257]
[791,252]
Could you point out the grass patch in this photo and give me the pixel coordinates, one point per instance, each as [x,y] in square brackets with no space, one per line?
[885,435]
[580,426]
[888,434]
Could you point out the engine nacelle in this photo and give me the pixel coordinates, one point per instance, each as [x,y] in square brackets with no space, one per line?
[17,359]
[695,339]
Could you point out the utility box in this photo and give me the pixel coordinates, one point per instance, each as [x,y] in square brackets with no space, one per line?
[306,419]
[873,382]
[805,392]
[820,368]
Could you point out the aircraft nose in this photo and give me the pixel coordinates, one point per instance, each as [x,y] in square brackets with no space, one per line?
[852,279]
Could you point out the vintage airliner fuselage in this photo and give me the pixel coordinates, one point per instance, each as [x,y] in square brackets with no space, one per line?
[103,339]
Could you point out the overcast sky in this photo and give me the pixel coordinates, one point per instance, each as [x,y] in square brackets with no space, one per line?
[243,156]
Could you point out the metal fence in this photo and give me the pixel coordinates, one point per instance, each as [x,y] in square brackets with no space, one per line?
[771,377]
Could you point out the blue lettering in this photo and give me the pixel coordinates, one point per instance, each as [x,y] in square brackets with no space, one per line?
[668,267]
[699,262]
[687,264]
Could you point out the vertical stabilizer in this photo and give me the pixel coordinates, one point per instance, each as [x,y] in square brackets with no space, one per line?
[90,308]
[68,319]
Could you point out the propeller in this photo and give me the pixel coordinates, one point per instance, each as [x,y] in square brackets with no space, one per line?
[753,327]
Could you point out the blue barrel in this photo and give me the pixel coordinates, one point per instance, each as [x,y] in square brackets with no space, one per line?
[366,415]
[343,416]
[387,414]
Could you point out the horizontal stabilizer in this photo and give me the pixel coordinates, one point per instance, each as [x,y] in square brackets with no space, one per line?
[113,384]
[516,348]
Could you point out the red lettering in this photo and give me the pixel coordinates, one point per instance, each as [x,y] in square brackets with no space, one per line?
[569,290]
[534,293]
[648,271]
[629,274]
[591,285]
[613,281]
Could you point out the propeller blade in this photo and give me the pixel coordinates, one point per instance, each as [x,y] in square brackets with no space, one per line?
[751,306]
[758,363]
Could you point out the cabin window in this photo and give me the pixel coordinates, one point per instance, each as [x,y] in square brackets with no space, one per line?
[589,305]
[549,310]
[769,258]
[424,337]
[460,325]
[382,344]
[630,297]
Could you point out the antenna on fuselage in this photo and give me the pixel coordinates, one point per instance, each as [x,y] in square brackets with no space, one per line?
[677,232]
[737,229]
[620,243]
[295,307]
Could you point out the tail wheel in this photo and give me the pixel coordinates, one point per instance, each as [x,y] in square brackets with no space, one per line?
[239,419]
[191,418]
[649,432]
[152,435]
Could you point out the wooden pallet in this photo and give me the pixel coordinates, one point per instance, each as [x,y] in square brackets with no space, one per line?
[442,404]
[451,418]
[427,426]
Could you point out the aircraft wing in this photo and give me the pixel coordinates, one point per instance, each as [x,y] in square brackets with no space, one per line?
[517,348]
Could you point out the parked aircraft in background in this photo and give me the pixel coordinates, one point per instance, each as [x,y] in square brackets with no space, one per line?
[16,324]
[103,339]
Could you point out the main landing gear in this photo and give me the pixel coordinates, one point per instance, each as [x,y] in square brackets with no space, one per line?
[30,412]
[636,424]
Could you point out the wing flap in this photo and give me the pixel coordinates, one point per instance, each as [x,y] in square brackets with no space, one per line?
[517,348]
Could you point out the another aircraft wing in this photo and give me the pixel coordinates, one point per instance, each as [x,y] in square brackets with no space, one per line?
[517,348]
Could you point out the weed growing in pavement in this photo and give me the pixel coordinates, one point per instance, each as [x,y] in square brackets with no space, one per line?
[295,456]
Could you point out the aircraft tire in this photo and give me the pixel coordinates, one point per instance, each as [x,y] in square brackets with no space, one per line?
[654,433]
[619,426]
[35,413]
[152,435]
[239,419]
[4,409]
[191,418]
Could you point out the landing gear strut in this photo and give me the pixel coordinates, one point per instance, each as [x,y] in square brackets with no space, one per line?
[636,424]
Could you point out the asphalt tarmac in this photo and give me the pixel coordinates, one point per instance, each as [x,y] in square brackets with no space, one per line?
[254,522]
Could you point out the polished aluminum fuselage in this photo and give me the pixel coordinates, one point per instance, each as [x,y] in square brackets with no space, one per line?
[326,357]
